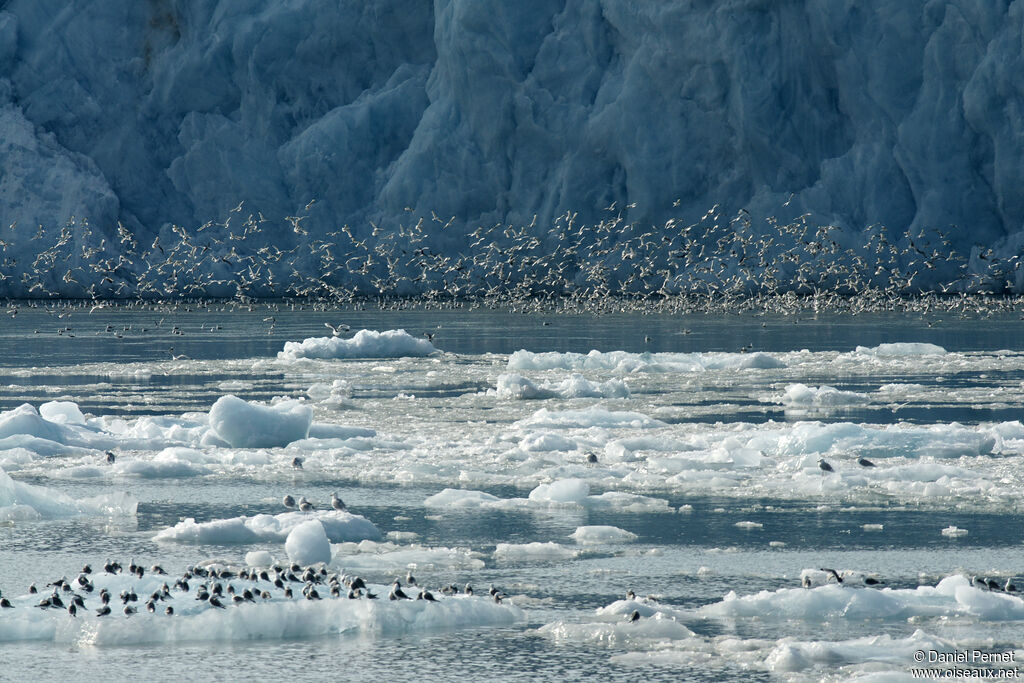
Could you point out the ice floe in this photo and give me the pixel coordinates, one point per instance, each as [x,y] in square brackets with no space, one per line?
[534,552]
[954,596]
[243,424]
[801,395]
[371,556]
[337,525]
[601,534]
[269,615]
[363,344]
[23,502]
[516,387]
[565,494]
[626,362]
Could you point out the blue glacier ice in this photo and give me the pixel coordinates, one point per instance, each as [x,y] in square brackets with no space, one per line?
[483,112]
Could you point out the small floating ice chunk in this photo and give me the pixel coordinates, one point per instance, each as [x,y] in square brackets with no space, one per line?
[62,412]
[801,395]
[562,491]
[547,441]
[307,544]
[759,361]
[321,430]
[749,525]
[623,361]
[20,501]
[954,531]
[259,558]
[516,387]
[252,425]
[339,525]
[656,628]
[599,534]
[589,417]
[25,420]
[368,556]
[873,527]
[630,502]
[542,552]
[901,349]
[364,344]
[460,498]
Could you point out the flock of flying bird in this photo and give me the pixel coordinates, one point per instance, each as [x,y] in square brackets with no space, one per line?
[713,262]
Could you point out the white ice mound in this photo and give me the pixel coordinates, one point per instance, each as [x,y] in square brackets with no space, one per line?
[338,525]
[369,556]
[803,396]
[242,424]
[562,491]
[533,552]
[589,417]
[792,656]
[900,349]
[952,597]
[62,412]
[461,499]
[276,617]
[173,462]
[259,558]
[19,501]
[364,344]
[307,544]
[517,388]
[601,534]
[626,362]
[25,420]
[612,625]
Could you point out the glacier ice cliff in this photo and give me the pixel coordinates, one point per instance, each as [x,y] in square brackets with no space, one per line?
[170,112]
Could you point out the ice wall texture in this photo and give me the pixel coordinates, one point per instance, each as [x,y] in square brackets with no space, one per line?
[172,111]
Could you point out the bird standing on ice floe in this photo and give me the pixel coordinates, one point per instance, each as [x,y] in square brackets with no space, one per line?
[397,593]
[635,616]
[337,503]
[825,467]
[864,462]
[111,457]
[289,502]
[305,505]
[297,462]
